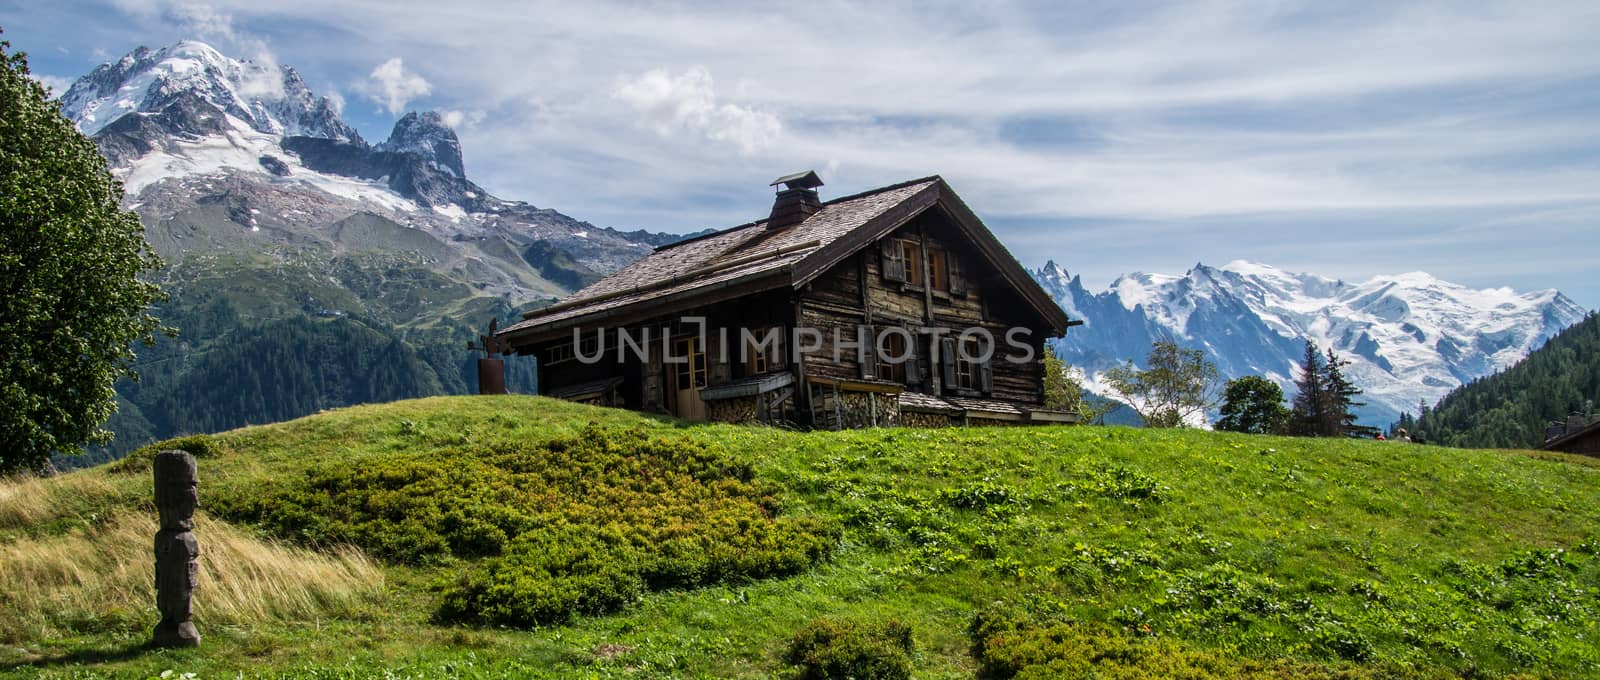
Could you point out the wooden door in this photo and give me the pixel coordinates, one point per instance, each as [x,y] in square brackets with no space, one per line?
[688,378]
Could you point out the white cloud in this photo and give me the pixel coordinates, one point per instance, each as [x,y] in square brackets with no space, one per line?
[262,79]
[56,84]
[334,98]
[201,20]
[392,86]
[456,119]
[206,22]
[688,102]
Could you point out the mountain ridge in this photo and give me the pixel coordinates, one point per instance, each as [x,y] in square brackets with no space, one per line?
[173,119]
[1411,337]
[332,264]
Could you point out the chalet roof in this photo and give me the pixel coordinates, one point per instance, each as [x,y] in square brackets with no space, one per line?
[1572,433]
[752,256]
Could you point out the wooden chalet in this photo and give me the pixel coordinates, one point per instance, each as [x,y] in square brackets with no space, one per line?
[717,324]
[1578,434]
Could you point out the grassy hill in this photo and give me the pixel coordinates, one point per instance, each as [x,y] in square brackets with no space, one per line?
[493,536]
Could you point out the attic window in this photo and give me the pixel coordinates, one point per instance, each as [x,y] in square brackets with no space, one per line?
[911,253]
[938,273]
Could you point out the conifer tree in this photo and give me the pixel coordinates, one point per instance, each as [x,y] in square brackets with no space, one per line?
[1340,417]
[1310,403]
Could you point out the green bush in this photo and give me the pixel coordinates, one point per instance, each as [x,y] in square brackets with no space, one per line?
[826,649]
[198,445]
[580,525]
[546,577]
[1011,645]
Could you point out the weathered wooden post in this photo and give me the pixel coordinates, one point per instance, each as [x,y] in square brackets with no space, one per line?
[177,495]
[491,368]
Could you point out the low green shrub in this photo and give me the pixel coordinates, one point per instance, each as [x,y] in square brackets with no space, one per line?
[828,649]
[1011,645]
[580,525]
[546,577]
[199,445]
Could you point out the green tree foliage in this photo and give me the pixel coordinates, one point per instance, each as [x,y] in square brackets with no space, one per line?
[1063,392]
[1341,394]
[1511,409]
[289,368]
[1406,422]
[1178,386]
[1254,404]
[71,300]
[1310,413]
[193,383]
[1325,404]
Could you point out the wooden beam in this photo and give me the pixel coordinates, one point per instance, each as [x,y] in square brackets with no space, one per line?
[856,385]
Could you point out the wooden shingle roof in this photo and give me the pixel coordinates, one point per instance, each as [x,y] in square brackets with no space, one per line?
[750,257]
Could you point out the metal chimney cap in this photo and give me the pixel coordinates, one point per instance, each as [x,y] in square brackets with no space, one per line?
[799,180]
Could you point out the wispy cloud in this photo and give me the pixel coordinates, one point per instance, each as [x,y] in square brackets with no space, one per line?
[55,84]
[392,86]
[687,102]
[1221,127]
[456,118]
[206,21]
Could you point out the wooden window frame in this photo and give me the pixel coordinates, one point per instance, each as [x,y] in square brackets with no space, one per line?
[938,269]
[968,373]
[911,255]
[694,372]
[759,362]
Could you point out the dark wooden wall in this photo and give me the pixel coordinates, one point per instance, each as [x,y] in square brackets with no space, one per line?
[855,292]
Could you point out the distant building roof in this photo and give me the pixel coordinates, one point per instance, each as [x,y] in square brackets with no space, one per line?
[1577,435]
[752,256]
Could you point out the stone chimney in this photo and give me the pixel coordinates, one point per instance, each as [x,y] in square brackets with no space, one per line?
[796,201]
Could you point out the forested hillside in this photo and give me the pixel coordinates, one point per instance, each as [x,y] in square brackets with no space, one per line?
[225,370]
[1510,409]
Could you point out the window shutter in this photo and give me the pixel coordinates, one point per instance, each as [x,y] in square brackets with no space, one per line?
[986,375]
[914,362]
[958,284]
[894,265]
[868,353]
[947,360]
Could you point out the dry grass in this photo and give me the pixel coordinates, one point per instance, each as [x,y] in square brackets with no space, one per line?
[27,502]
[101,578]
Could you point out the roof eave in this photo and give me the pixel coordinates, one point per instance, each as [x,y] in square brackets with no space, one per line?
[639,310]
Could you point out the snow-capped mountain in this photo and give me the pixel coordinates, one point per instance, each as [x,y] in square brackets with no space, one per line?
[1410,337]
[186,127]
[271,100]
[427,136]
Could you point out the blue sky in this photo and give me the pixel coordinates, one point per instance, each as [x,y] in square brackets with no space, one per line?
[1461,139]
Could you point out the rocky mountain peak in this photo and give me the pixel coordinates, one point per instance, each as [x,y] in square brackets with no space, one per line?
[268,99]
[426,134]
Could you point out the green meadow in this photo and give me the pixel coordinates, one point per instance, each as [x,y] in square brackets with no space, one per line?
[521,536]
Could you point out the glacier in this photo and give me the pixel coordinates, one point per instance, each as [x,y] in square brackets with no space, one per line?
[1410,338]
